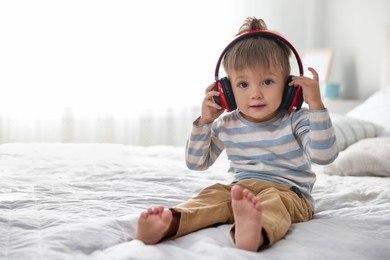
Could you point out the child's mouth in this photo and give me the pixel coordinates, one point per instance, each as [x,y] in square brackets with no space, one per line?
[258,106]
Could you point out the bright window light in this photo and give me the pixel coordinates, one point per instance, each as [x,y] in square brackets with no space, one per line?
[109,57]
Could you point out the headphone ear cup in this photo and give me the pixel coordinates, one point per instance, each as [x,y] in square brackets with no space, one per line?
[228,94]
[292,97]
[298,98]
[288,95]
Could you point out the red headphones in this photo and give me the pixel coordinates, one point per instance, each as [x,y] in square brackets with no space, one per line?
[292,96]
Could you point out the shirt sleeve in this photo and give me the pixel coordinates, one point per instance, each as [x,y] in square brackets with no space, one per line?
[203,147]
[315,131]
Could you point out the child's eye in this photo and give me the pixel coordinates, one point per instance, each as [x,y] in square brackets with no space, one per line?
[268,82]
[243,85]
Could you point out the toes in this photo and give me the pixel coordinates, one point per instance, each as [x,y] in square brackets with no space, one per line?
[246,192]
[166,216]
[237,192]
[258,206]
[155,211]
[144,215]
[159,210]
[253,199]
[248,195]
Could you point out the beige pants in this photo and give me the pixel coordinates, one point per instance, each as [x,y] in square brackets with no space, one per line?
[281,208]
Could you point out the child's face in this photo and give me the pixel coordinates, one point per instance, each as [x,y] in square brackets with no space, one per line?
[258,93]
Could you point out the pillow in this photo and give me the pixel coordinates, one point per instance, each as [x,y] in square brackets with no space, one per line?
[368,157]
[375,109]
[349,130]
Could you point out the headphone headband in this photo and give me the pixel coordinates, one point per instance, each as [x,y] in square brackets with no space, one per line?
[262,33]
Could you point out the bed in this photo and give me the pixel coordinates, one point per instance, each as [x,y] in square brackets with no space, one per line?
[81,201]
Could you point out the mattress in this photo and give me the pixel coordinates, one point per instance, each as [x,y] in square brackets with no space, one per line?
[82,201]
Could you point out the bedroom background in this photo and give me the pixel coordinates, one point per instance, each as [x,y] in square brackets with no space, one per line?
[134,72]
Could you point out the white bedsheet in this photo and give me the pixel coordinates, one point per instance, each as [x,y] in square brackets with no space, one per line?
[81,201]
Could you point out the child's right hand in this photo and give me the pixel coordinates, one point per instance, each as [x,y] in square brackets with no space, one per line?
[210,110]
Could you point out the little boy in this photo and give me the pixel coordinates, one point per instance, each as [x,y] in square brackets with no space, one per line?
[270,149]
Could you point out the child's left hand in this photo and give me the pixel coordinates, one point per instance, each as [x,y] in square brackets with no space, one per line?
[310,89]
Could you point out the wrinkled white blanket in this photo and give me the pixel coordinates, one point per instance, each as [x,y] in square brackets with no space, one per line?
[81,201]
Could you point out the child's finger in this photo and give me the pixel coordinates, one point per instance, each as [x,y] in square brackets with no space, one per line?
[210,88]
[314,72]
[296,80]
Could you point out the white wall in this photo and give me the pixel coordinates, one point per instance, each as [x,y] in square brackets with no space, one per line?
[354,28]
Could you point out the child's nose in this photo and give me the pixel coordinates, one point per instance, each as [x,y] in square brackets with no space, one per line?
[257,93]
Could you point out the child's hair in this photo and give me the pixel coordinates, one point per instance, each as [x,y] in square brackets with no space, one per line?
[256,52]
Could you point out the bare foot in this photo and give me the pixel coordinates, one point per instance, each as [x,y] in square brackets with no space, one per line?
[248,219]
[153,225]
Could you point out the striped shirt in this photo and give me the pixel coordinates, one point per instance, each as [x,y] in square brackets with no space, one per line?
[279,150]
